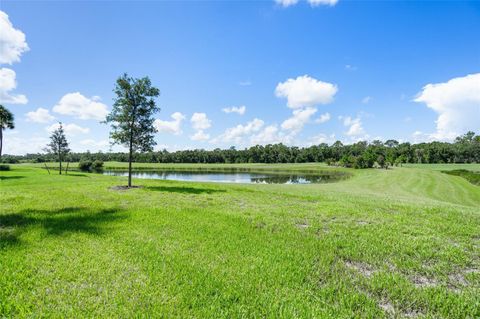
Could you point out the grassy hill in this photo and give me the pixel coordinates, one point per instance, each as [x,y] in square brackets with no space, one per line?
[403,242]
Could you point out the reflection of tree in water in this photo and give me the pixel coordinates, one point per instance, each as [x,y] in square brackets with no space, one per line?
[295,179]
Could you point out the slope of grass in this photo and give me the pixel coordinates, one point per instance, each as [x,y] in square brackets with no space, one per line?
[401,242]
[472,177]
[446,167]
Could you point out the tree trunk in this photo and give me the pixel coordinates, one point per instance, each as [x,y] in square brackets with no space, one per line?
[1,141]
[130,162]
[60,160]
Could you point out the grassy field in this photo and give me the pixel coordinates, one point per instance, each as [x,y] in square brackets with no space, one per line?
[403,242]
[446,167]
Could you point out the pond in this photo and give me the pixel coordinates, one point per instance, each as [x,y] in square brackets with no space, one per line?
[236,176]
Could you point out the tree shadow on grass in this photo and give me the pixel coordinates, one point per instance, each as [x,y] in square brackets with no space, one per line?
[184,190]
[76,175]
[10,177]
[58,222]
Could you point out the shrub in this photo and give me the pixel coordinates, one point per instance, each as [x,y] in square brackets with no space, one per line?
[347,161]
[85,165]
[359,162]
[381,161]
[97,165]
[330,162]
[4,167]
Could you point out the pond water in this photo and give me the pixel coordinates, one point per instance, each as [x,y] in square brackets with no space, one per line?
[234,176]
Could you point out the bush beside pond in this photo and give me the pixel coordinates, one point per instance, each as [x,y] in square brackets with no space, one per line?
[89,166]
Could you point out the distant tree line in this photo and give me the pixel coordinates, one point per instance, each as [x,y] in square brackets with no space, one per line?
[465,149]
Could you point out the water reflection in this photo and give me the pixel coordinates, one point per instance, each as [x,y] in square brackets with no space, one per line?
[235,177]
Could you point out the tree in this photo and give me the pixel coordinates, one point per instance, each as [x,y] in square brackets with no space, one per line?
[6,122]
[381,161]
[58,145]
[131,116]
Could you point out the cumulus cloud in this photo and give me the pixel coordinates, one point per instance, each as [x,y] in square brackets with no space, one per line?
[322,138]
[173,126]
[354,125]
[200,136]
[93,145]
[237,133]
[12,41]
[457,103]
[81,107]
[305,91]
[16,145]
[421,137]
[325,117]
[40,115]
[299,119]
[200,121]
[70,129]
[7,84]
[235,109]
[271,135]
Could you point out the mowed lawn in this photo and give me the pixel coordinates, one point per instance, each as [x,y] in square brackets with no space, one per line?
[403,242]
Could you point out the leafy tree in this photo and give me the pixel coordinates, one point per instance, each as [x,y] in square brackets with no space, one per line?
[58,145]
[359,162]
[381,161]
[391,143]
[131,118]
[6,122]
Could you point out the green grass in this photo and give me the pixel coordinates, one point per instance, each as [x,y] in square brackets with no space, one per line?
[400,242]
[472,177]
[446,167]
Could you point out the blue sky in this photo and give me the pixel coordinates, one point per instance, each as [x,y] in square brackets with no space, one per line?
[300,73]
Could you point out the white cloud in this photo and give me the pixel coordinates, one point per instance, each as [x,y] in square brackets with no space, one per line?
[315,3]
[200,121]
[173,127]
[366,100]
[355,127]
[306,91]
[271,135]
[350,67]
[40,115]
[200,136]
[245,83]
[237,133]
[322,138]
[15,145]
[12,41]
[421,137]
[70,129]
[81,107]
[235,109]
[325,117]
[457,103]
[299,119]
[93,145]
[286,3]
[8,83]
